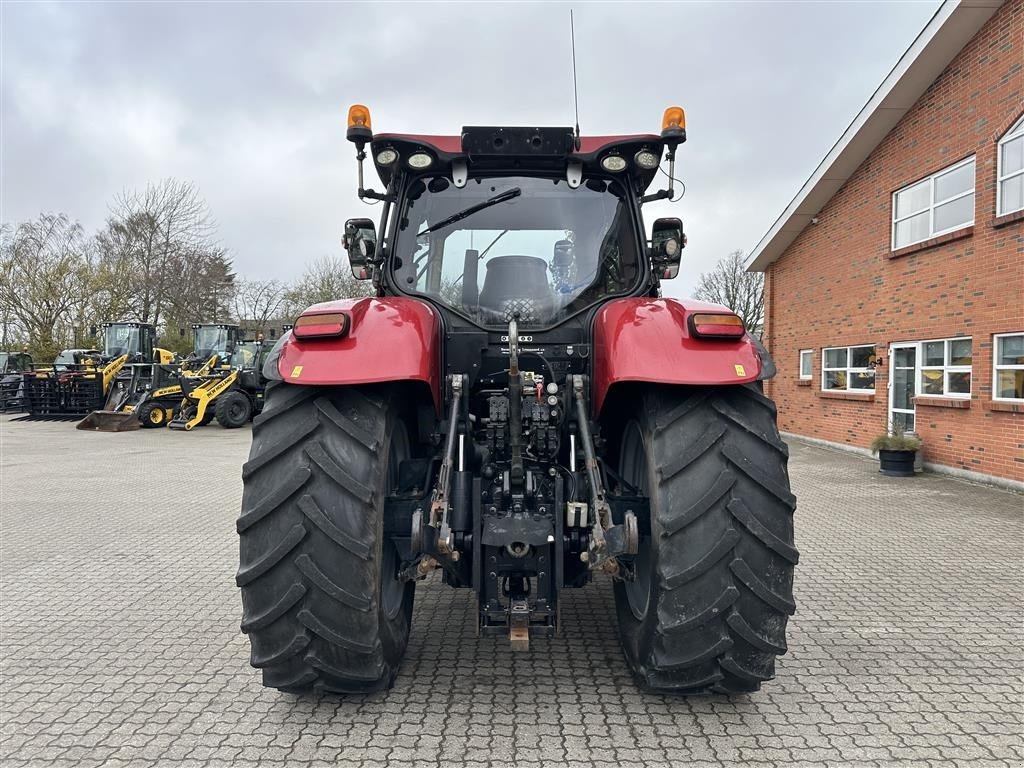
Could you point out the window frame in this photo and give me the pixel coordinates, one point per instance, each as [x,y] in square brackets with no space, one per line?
[946,368]
[800,366]
[933,204]
[1015,132]
[849,369]
[996,367]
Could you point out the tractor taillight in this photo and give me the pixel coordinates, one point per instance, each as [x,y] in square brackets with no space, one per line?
[322,325]
[716,325]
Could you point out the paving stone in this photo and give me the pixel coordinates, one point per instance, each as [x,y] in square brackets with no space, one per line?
[121,644]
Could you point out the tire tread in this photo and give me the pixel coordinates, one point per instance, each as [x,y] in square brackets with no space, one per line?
[723,534]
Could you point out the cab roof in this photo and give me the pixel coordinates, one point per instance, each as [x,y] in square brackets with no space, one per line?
[516,148]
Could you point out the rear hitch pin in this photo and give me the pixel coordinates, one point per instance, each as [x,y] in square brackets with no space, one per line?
[519,624]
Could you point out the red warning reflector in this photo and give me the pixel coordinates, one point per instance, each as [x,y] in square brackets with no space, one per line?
[321,325]
[717,325]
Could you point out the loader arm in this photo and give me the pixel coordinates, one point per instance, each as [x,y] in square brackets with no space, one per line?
[111,370]
[208,366]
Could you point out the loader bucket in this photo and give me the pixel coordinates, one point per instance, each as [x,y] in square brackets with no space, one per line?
[110,421]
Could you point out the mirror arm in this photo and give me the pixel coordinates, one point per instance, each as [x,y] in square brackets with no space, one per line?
[665,194]
[361,191]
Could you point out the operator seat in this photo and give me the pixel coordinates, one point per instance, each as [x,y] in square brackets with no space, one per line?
[517,284]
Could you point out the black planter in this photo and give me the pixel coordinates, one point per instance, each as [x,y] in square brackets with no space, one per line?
[896,463]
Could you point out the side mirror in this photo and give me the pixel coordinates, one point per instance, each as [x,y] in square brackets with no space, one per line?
[92,330]
[667,243]
[181,332]
[360,241]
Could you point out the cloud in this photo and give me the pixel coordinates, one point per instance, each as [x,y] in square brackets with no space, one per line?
[248,101]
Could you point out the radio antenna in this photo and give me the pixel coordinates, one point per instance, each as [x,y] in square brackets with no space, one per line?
[575,91]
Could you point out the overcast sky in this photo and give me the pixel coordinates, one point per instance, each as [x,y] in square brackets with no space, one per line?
[248,101]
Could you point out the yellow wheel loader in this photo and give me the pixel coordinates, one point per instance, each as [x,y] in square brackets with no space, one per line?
[152,394]
[199,393]
[81,381]
[232,395]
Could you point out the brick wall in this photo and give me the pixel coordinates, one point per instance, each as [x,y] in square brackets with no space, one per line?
[838,284]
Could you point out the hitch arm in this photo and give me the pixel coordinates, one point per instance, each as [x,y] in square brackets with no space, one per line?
[440,503]
[598,503]
[607,541]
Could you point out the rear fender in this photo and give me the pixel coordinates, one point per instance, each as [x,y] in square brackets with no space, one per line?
[388,339]
[649,340]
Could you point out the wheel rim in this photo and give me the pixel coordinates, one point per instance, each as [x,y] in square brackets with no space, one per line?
[392,591]
[237,410]
[633,469]
[156,416]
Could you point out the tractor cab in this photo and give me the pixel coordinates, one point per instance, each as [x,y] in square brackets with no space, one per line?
[136,340]
[13,365]
[15,362]
[209,339]
[531,223]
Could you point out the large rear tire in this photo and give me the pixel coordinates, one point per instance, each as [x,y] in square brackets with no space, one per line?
[714,583]
[320,600]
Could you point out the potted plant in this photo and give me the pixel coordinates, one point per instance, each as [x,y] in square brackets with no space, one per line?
[896,452]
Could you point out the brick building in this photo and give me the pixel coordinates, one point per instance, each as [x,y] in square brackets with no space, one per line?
[895,277]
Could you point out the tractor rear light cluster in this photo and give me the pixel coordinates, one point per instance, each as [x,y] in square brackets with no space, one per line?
[716,325]
[327,324]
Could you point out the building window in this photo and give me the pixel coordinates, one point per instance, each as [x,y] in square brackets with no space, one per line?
[848,369]
[1009,367]
[805,363]
[1010,173]
[942,203]
[946,368]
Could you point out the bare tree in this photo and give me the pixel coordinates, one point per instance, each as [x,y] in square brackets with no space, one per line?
[43,273]
[163,230]
[730,284]
[257,302]
[325,279]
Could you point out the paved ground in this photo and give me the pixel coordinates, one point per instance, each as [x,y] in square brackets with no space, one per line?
[120,642]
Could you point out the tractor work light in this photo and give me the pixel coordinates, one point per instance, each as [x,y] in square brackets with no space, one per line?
[420,160]
[613,163]
[646,159]
[386,156]
[720,325]
[327,324]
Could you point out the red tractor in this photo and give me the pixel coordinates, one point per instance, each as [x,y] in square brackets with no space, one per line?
[518,408]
